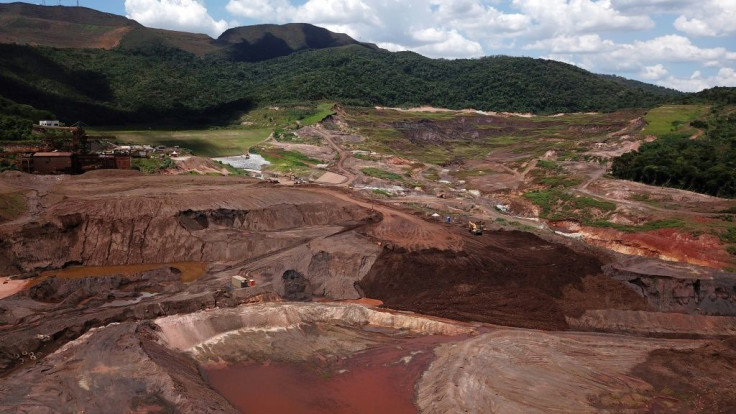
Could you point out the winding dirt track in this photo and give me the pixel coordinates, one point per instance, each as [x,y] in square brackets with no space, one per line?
[349,176]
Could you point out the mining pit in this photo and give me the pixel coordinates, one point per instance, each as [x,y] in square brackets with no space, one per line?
[119,299]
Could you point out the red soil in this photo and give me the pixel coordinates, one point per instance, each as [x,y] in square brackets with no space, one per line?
[667,244]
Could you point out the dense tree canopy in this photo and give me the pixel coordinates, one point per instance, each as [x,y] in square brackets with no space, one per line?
[155,81]
[706,164]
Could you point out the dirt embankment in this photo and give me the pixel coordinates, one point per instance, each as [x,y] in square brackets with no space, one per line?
[137,221]
[118,368]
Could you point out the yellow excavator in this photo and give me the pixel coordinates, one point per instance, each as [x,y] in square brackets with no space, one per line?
[476,227]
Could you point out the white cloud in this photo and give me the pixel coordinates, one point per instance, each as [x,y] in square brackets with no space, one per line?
[654,6]
[568,17]
[450,44]
[608,56]
[591,43]
[586,33]
[184,15]
[653,72]
[696,82]
[709,18]
[435,28]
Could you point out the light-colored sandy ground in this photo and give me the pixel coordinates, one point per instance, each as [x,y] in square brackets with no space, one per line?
[10,287]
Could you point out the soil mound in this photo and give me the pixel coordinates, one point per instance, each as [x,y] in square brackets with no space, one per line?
[507,278]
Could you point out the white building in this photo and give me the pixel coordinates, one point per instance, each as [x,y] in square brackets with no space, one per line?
[49,123]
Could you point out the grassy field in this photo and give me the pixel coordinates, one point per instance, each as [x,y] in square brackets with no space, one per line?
[288,116]
[225,142]
[285,161]
[206,143]
[676,119]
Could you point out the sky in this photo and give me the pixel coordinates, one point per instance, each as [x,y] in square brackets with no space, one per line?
[687,45]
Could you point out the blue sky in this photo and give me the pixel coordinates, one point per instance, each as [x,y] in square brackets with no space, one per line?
[684,44]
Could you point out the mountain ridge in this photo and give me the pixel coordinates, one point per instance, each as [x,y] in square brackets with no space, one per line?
[81,27]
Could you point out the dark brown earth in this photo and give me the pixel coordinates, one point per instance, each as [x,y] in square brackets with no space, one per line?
[692,380]
[506,278]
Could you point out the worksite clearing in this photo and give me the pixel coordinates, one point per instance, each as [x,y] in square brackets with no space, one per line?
[453,293]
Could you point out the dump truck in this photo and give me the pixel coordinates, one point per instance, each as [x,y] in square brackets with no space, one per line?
[476,227]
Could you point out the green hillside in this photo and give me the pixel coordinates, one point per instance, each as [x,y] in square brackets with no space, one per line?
[156,82]
[695,149]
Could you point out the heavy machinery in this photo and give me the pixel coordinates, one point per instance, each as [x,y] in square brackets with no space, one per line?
[476,227]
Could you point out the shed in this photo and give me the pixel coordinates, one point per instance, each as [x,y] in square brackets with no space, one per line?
[239,282]
[53,162]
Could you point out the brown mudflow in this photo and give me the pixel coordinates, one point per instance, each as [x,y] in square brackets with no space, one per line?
[506,278]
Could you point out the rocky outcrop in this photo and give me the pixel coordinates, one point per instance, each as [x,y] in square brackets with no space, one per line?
[296,287]
[194,331]
[677,287]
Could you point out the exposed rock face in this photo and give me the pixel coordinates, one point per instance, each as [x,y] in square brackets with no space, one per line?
[39,320]
[116,369]
[190,332]
[296,287]
[673,287]
[187,223]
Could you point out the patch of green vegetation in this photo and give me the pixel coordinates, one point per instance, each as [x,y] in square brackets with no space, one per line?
[432,174]
[232,170]
[731,250]
[285,161]
[557,205]
[546,198]
[12,205]
[648,226]
[287,117]
[558,181]
[365,157]
[206,143]
[382,192]
[728,236]
[589,202]
[152,165]
[548,165]
[669,119]
[640,197]
[382,174]
[7,165]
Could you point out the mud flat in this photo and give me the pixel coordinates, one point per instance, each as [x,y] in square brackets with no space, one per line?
[537,372]
[9,287]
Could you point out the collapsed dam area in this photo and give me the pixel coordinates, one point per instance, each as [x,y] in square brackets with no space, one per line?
[122,287]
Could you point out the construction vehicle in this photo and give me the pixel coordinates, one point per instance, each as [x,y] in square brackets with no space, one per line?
[476,227]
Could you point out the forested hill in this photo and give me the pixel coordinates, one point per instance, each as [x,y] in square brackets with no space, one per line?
[704,162]
[157,81]
[81,27]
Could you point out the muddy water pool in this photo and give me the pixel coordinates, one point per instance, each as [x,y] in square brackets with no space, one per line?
[379,380]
